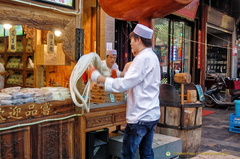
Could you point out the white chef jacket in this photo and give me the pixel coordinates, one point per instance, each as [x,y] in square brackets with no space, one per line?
[114,66]
[142,82]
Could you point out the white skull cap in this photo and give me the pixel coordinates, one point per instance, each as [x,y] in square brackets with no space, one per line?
[111,52]
[143,31]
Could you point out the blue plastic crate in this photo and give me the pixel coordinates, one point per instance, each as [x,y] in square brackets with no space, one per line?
[234,123]
[234,119]
[235,129]
[237,107]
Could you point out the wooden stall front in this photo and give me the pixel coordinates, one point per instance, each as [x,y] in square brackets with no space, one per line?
[46,130]
[53,129]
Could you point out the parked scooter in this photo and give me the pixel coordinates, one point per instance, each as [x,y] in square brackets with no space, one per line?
[218,96]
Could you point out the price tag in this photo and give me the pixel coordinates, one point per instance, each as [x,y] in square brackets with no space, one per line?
[112,98]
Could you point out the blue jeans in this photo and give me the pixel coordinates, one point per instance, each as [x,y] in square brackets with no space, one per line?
[138,135]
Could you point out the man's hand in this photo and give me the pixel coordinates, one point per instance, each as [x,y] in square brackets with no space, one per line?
[93,73]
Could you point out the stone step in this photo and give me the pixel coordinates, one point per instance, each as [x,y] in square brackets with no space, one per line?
[164,147]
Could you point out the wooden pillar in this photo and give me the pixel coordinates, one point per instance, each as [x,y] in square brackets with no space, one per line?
[82,137]
[147,22]
[203,38]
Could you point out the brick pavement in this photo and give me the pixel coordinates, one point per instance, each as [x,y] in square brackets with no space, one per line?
[216,137]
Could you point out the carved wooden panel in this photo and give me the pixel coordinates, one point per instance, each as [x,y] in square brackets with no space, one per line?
[56,140]
[15,143]
[119,117]
[35,110]
[99,121]
[100,117]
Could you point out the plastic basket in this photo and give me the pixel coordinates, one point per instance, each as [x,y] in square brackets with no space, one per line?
[237,107]
[234,123]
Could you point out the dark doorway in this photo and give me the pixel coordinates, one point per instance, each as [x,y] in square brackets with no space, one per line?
[122,42]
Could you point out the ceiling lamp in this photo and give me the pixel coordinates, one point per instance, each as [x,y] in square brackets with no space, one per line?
[57,33]
[7,26]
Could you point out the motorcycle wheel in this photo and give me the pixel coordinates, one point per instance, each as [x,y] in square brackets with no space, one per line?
[208,102]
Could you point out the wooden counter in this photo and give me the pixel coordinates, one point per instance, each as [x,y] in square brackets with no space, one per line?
[34,130]
[53,129]
[101,116]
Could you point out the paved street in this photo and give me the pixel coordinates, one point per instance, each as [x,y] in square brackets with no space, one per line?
[216,137]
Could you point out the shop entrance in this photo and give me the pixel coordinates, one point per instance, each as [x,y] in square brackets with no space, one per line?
[122,42]
[218,52]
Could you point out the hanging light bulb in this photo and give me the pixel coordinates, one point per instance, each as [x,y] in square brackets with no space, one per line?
[7,26]
[57,33]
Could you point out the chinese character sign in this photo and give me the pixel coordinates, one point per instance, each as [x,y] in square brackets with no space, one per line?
[12,40]
[50,42]
[199,49]
[22,112]
[15,113]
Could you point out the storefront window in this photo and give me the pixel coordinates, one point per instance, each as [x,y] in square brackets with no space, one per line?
[172,45]
[161,39]
[218,52]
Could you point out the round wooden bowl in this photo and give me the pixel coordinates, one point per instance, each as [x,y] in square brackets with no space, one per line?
[135,10]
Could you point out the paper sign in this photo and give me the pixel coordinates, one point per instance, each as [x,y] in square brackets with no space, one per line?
[12,40]
[109,46]
[50,42]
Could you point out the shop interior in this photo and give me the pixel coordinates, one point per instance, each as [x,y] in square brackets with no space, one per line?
[29,64]
[218,52]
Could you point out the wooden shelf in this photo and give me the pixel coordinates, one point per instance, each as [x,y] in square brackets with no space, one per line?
[21,57]
[12,85]
[14,53]
[14,69]
[29,69]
